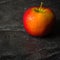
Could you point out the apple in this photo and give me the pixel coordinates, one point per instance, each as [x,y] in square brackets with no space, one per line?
[38,21]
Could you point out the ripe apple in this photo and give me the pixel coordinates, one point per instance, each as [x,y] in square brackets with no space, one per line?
[38,21]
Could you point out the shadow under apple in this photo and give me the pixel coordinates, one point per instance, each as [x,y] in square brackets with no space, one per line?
[56,30]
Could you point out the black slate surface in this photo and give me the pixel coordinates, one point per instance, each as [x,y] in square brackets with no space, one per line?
[15,43]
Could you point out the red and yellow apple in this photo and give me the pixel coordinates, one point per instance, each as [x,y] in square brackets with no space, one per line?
[38,21]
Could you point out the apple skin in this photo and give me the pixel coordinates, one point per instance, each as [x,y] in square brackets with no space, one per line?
[40,22]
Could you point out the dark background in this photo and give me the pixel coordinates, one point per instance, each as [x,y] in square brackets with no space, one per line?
[15,43]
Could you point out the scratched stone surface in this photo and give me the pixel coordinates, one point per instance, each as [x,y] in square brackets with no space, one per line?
[15,43]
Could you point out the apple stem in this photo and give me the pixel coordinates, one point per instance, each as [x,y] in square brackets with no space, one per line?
[40,6]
